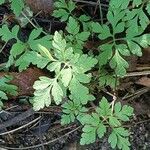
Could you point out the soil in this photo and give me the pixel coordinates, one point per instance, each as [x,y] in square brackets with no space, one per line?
[21,128]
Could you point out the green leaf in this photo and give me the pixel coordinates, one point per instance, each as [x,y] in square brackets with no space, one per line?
[63,9]
[57,92]
[136,17]
[85,63]
[54,66]
[35,43]
[61,13]
[17,6]
[105,32]
[119,28]
[113,121]
[96,27]
[79,91]
[66,119]
[41,98]
[3,95]
[71,111]
[148,8]
[122,136]
[27,58]
[119,64]
[7,34]
[113,140]
[2,1]
[106,54]
[88,136]
[123,49]
[137,2]
[121,131]
[84,18]
[101,130]
[66,76]
[114,17]
[17,49]
[71,6]
[104,108]
[45,52]
[72,26]
[83,78]
[119,3]
[35,34]
[107,79]
[134,48]
[59,43]
[143,40]
[6,87]
[45,88]
[118,138]
[43,83]
[124,113]
[144,20]
[83,36]
[42,94]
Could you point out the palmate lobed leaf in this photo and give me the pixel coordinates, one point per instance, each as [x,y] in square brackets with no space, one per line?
[7,35]
[17,6]
[63,9]
[104,108]
[61,13]
[6,88]
[35,40]
[105,54]
[73,26]
[119,64]
[72,110]
[85,63]
[45,90]
[17,49]
[119,138]
[107,79]
[90,128]
[59,43]
[79,91]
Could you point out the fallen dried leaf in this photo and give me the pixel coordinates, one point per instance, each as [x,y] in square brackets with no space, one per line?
[25,80]
[145,81]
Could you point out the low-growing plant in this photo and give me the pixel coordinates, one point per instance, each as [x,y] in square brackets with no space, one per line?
[71,71]
[6,88]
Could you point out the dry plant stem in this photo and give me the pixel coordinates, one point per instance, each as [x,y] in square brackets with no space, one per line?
[142,121]
[132,74]
[115,94]
[43,144]
[19,128]
[136,94]
[100,10]
[143,68]
[90,2]
[3,47]
[32,22]
[110,94]
[113,102]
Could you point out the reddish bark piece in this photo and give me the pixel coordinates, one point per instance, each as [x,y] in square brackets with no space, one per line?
[25,80]
[43,6]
